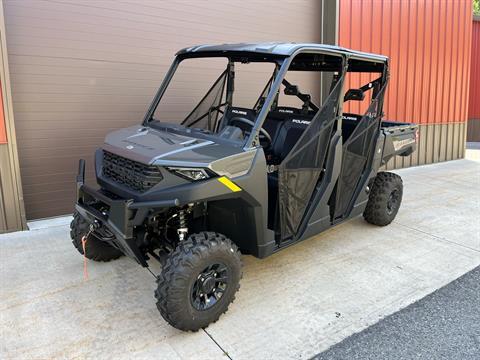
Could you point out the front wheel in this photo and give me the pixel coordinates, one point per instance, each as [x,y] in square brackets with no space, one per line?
[384,199]
[95,249]
[199,281]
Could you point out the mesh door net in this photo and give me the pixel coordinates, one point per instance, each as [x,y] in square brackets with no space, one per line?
[299,172]
[205,114]
[356,152]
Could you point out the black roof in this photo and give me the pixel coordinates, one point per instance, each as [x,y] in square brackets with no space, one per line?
[276,48]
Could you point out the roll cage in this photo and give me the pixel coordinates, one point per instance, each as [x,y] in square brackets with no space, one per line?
[296,57]
[300,154]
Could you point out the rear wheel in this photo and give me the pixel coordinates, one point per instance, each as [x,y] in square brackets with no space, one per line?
[95,249]
[384,199]
[199,281]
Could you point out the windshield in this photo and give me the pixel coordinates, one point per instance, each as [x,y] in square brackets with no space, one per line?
[191,83]
[204,91]
[224,96]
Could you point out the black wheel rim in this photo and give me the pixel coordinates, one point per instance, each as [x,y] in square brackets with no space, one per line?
[209,286]
[393,200]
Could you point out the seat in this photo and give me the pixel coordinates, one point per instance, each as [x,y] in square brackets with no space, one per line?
[285,126]
[349,123]
[285,129]
[233,112]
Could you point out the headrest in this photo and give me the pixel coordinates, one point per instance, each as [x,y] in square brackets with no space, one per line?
[300,121]
[240,112]
[351,117]
[293,120]
[287,110]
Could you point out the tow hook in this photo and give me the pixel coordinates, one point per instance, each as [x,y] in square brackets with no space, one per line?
[94,226]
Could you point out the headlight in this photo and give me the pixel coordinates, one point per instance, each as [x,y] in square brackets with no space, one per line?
[190,173]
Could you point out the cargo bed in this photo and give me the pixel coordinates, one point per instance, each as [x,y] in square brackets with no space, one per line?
[399,139]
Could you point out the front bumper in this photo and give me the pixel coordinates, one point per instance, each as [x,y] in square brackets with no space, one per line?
[122,215]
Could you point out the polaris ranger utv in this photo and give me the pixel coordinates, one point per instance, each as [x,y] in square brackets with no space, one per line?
[227,179]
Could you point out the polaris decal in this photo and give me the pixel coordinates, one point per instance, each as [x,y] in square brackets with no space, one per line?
[239,112]
[398,144]
[304,122]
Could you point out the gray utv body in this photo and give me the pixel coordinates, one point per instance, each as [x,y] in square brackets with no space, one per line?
[315,172]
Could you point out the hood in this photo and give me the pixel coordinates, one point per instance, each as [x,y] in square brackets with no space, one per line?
[163,147]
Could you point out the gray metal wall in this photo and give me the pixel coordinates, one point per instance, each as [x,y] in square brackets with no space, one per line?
[473,131]
[82,68]
[436,142]
[12,212]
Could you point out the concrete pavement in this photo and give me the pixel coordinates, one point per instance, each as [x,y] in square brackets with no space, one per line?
[293,304]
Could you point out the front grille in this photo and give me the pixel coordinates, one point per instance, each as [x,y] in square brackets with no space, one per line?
[135,175]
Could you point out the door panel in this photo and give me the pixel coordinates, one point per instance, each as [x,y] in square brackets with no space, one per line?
[357,150]
[300,171]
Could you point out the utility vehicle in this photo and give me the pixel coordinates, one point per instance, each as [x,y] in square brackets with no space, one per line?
[254,179]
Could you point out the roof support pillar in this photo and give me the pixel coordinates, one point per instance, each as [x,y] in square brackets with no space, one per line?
[328,35]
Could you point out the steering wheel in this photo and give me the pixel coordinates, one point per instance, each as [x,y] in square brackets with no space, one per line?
[263,132]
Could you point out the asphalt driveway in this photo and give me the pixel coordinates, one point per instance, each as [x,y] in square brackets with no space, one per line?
[442,325]
[294,304]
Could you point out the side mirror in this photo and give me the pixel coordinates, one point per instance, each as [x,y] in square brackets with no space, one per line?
[354,94]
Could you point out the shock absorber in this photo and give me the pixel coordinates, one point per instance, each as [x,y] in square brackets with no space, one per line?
[182,230]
